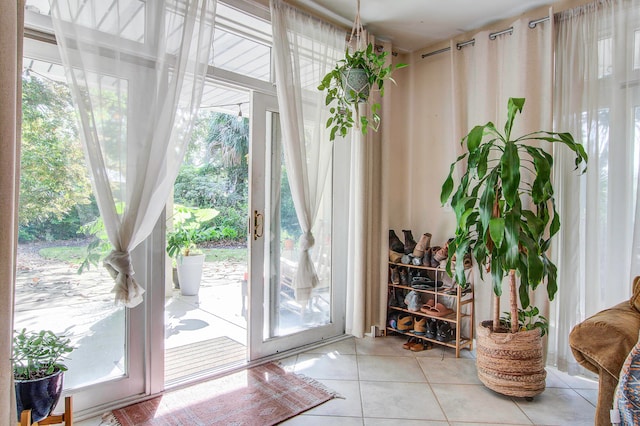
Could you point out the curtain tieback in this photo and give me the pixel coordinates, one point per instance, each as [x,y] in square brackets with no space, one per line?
[307,241]
[118,262]
[127,290]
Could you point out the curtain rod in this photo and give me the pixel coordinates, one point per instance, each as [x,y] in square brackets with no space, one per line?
[532,24]
[492,36]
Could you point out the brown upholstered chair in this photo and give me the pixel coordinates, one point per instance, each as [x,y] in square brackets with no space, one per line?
[601,344]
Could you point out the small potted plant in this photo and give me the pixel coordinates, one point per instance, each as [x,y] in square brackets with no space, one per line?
[507,222]
[38,370]
[349,84]
[188,231]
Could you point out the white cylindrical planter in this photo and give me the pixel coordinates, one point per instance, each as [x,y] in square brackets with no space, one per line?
[190,274]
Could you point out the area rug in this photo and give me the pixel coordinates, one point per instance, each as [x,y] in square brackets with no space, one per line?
[259,396]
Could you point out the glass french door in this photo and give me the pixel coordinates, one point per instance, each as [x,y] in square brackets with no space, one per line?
[283,315]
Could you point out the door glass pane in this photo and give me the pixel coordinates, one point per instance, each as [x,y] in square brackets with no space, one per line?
[206,315]
[58,218]
[291,309]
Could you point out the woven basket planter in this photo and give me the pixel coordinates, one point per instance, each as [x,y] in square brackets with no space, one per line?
[510,364]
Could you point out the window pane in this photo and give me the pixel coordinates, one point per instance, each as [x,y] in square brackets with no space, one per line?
[241,55]
[56,204]
[293,310]
[605,64]
[125,18]
[242,43]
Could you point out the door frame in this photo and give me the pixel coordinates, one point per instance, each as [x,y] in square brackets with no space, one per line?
[260,343]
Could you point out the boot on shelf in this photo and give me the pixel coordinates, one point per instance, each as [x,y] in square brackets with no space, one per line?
[426,259]
[395,243]
[409,242]
[421,246]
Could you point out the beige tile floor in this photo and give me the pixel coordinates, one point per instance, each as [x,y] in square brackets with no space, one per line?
[384,384]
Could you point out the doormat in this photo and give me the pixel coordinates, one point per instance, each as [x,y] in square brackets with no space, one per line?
[259,396]
[194,358]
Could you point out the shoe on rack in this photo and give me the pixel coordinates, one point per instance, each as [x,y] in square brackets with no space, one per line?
[421,246]
[426,259]
[445,332]
[392,321]
[404,276]
[432,328]
[468,263]
[394,256]
[441,254]
[434,262]
[420,326]
[395,275]
[405,322]
[409,242]
[406,259]
[395,243]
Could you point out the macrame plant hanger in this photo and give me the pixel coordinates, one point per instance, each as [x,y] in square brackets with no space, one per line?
[357,31]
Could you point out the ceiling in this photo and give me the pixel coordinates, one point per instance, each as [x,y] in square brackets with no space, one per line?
[414,24]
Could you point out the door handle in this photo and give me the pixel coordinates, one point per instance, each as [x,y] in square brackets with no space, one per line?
[258,224]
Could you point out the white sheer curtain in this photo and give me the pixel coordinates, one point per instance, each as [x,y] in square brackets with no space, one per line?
[137,82]
[367,248]
[597,99]
[484,77]
[304,49]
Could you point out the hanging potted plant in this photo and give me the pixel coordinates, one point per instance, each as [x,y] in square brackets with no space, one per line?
[349,83]
[38,370]
[507,224]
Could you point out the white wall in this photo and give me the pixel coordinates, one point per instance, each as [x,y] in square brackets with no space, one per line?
[422,148]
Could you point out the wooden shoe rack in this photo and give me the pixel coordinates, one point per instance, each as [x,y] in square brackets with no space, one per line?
[460,301]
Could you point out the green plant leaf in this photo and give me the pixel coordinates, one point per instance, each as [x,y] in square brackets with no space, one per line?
[496,230]
[497,274]
[474,138]
[555,222]
[551,271]
[514,105]
[483,158]
[523,289]
[535,269]
[487,200]
[512,240]
[510,173]
[447,186]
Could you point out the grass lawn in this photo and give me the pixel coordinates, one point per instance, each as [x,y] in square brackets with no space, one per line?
[75,255]
[222,254]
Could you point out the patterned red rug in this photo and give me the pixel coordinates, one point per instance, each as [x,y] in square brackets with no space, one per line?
[260,396]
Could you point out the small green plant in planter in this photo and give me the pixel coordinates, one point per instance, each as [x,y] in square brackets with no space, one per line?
[38,370]
[528,319]
[190,228]
[349,83]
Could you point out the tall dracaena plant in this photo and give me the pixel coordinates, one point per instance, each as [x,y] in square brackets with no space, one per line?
[507,223]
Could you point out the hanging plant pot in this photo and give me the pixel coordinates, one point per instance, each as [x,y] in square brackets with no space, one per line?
[356,85]
[39,395]
[510,363]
